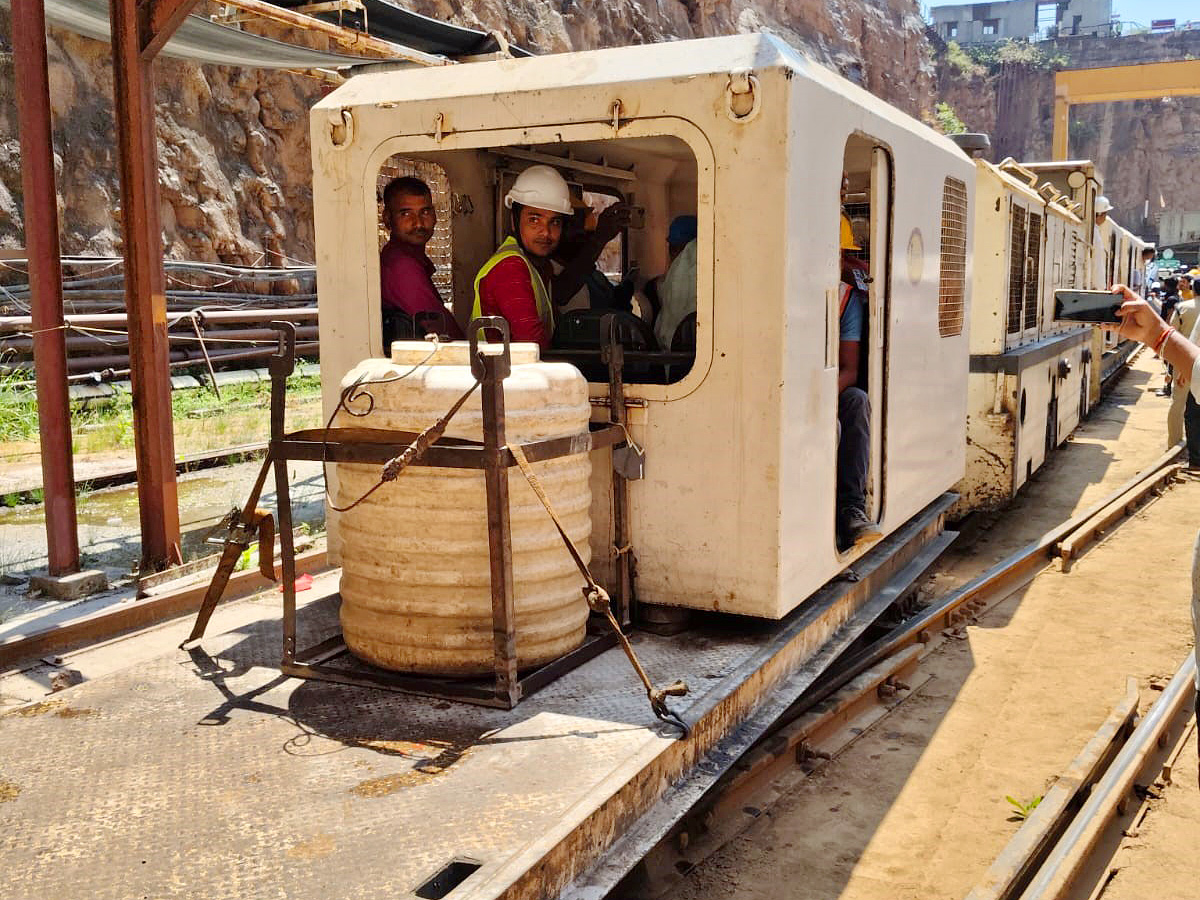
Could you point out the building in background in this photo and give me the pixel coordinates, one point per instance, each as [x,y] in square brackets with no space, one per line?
[981,23]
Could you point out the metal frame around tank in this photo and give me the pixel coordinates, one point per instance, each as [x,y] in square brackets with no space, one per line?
[365,445]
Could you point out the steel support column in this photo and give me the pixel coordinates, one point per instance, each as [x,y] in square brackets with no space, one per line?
[138,30]
[45,282]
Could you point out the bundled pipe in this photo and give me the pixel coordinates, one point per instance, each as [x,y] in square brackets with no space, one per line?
[224,316]
[110,368]
[83,343]
[99,342]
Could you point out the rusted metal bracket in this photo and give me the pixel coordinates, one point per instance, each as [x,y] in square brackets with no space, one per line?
[158,20]
[613,355]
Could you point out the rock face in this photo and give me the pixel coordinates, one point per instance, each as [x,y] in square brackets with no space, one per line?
[233,156]
[234,167]
[1145,149]
[877,43]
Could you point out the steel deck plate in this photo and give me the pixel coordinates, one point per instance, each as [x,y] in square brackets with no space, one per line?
[210,774]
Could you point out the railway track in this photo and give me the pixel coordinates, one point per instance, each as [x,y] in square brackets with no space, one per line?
[1061,850]
[869,681]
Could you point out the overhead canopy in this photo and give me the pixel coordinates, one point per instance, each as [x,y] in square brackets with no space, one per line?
[390,22]
[198,39]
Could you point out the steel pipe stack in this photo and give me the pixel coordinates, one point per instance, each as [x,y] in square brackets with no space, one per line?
[217,317]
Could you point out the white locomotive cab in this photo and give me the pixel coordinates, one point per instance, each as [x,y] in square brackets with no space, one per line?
[736,511]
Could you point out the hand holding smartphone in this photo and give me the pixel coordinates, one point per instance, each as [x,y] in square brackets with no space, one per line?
[1087,306]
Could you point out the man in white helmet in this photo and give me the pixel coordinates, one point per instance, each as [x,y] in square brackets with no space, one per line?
[515,282]
[1101,238]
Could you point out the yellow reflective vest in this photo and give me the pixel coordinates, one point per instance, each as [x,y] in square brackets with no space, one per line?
[541,293]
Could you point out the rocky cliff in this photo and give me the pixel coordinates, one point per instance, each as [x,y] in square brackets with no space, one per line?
[1146,149]
[233,143]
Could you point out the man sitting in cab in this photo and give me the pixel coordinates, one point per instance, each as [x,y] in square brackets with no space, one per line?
[578,283]
[405,271]
[854,528]
[677,289]
[515,282]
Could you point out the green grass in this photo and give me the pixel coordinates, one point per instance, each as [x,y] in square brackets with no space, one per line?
[18,416]
[1023,809]
[240,408]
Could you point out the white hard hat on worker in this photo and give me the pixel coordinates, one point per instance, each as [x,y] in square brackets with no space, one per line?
[540,187]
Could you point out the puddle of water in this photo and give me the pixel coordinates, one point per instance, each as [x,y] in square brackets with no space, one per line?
[204,499]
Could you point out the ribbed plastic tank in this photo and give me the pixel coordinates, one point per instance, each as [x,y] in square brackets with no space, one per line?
[416,586]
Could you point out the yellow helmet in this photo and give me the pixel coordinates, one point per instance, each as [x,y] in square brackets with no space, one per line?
[848,242]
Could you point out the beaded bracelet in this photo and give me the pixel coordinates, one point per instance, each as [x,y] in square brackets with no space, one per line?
[1161,342]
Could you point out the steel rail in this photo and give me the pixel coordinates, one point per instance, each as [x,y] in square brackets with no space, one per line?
[846,685]
[241,316]
[995,584]
[1063,867]
[1019,860]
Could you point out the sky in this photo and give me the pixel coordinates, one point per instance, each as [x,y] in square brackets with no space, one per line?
[1142,11]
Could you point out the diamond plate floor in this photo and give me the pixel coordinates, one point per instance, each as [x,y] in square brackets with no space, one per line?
[211,775]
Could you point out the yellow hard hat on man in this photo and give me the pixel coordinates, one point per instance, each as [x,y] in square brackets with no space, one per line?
[848,242]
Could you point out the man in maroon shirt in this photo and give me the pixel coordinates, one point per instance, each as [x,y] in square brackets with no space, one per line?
[515,282]
[406,273]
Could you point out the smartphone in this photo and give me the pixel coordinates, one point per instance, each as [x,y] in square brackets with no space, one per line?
[1087,306]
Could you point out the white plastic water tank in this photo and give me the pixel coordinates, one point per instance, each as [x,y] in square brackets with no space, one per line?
[416,586]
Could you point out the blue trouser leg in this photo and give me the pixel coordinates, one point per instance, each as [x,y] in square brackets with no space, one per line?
[854,448]
[1191,430]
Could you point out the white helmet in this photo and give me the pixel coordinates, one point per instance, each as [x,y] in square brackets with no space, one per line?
[1102,205]
[540,187]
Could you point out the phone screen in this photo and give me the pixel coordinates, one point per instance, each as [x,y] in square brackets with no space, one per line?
[1086,306]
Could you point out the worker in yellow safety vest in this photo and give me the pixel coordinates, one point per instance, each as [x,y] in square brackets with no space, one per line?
[514,283]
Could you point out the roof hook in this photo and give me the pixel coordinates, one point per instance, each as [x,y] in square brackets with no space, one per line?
[341,128]
[742,96]
[501,43]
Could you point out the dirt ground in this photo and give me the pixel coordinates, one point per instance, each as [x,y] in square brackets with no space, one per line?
[915,809]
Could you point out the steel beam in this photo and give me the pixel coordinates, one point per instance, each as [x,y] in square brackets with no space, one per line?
[1108,84]
[160,18]
[45,282]
[145,295]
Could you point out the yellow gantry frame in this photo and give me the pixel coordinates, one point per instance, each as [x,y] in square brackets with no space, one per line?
[1143,81]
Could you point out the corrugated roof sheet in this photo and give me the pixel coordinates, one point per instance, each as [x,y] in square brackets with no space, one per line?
[391,22]
[199,39]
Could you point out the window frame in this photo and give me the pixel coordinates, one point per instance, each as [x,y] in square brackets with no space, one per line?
[417,146]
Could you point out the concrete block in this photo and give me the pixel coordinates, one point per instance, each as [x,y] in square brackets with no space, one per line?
[70,587]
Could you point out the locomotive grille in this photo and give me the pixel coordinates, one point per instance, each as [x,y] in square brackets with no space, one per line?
[952,285]
[1016,269]
[1033,259]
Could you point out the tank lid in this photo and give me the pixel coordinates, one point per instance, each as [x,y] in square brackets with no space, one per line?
[454,353]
